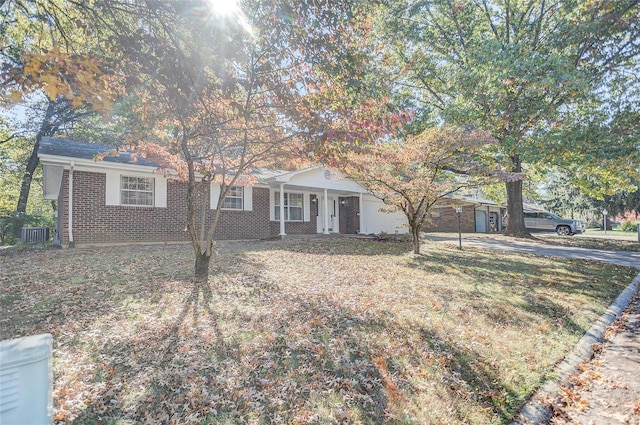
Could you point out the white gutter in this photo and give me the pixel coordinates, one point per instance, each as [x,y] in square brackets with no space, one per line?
[70,223]
[91,165]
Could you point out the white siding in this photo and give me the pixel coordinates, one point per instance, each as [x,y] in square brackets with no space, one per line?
[316,179]
[376,221]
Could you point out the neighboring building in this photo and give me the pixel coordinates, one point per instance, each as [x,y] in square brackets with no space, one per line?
[120,200]
[477,216]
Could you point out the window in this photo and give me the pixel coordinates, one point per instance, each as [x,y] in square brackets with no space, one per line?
[136,191]
[233,200]
[292,206]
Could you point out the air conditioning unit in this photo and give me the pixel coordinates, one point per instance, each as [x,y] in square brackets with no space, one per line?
[26,380]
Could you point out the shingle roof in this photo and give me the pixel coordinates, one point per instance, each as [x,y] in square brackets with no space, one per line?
[73,149]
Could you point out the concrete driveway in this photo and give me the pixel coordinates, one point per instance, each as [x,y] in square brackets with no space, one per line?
[502,243]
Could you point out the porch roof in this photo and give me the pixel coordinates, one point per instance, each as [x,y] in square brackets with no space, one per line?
[316,179]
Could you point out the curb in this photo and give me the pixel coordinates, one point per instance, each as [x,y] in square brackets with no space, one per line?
[537,410]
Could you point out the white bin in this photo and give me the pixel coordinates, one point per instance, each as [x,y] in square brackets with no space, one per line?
[26,381]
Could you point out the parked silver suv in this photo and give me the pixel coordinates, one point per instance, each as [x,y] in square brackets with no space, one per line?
[542,220]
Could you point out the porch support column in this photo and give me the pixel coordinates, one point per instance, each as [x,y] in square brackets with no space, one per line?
[487,220]
[360,214]
[282,232]
[326,212]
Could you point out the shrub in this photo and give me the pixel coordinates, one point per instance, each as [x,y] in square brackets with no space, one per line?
[594,224]
[12,223]
[629,226]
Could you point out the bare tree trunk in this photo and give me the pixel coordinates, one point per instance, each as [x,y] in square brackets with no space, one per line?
[202,266]
[415,234]
[32,164]
[515,206]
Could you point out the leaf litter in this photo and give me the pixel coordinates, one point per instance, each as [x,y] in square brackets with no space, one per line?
[300,331]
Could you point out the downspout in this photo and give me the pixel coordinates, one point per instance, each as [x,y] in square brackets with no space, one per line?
[282,227]
[361,215]
[70,206]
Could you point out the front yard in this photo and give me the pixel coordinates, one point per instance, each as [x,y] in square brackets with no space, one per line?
[301,331]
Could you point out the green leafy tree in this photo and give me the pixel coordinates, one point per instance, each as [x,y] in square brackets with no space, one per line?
[49,65]
[562,196]
[514,68]
[624,202]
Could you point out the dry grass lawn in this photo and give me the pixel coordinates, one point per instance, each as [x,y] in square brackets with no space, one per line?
[314,331]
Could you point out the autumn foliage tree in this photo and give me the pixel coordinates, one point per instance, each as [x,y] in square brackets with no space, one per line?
[217,92]
[413,174]
[214,88]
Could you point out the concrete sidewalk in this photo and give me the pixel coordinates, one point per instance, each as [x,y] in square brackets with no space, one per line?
[607,389]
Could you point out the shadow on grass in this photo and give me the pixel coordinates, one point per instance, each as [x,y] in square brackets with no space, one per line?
[509,290]
[319,363]
[466,374]
[323,375]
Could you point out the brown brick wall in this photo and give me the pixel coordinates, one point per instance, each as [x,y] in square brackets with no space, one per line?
[448,220]
[95,222]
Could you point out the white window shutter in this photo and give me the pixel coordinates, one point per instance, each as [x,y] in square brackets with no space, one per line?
[248,198]
[112,195]
[160,184]
[214,195]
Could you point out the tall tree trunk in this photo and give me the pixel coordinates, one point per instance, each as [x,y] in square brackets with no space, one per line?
[202,267]
[515,206]
[415,235]
[27,178]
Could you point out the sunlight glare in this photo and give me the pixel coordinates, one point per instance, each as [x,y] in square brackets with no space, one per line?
[224,7]
[230,10]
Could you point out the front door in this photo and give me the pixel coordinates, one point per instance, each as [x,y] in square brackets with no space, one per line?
[481,221]
[333,209]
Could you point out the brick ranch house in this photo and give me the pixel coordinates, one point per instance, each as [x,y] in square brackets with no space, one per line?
[117,200]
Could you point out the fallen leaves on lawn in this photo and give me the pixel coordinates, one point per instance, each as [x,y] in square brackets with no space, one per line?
[317,331]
